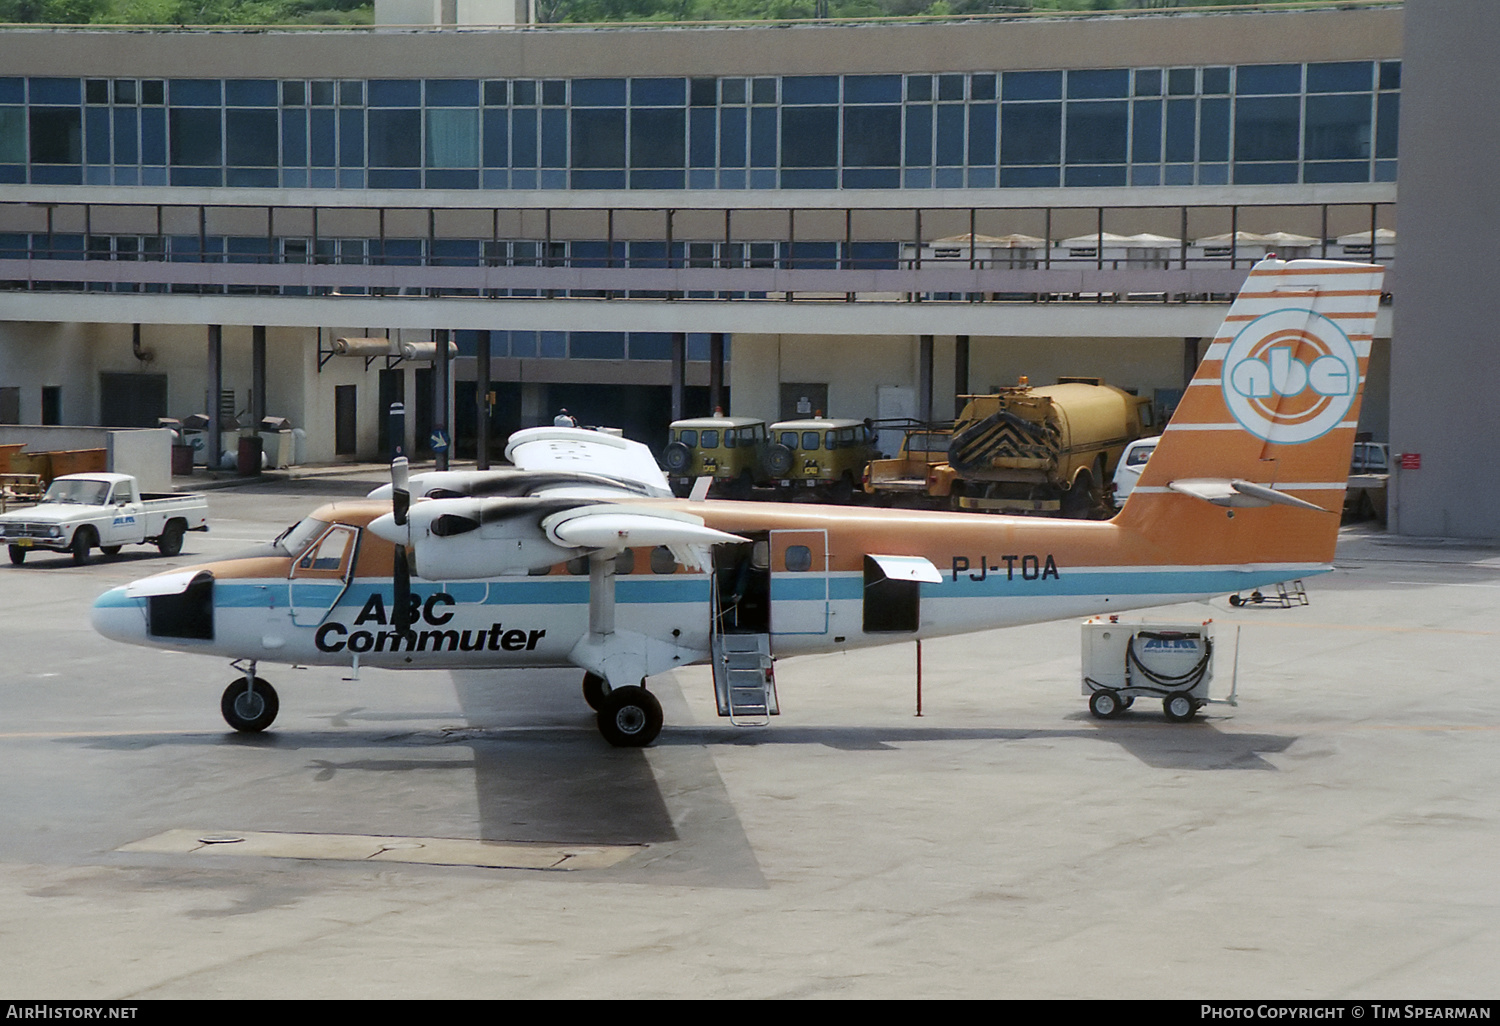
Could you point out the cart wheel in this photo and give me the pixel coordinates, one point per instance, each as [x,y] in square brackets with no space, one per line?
[1106,704]
[1179,708]
[1235,600]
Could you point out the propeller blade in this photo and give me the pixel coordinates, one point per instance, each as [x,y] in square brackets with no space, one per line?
[400,489]
[401,615]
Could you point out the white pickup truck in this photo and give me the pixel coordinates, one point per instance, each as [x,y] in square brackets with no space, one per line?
[81,511]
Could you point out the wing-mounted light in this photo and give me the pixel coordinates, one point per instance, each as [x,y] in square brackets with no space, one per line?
[1238,494]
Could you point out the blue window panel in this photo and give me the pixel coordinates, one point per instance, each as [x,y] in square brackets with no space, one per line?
[598,92]
[523,138]
[1182,81]
[251,138]
[1387,125]
[950,134]
[1344,77]
[96,90]
[56,135]
[810,256]
[496,94]
[196,138]
[810,89]
[96,135]
[323,179]
[949,178]
[732,179]
[249,92]
[732,137]
[1148,82]
[658,138]
[810,178]
[732,90]
[291,178]
[764,178]
[647,345]
[97,175]
[252,177]
[351,140]
[1213,130]
[15,245]
[293,94]
[1385,170]
[467,341]
[1337,127]
[597,345]
[452,178]
[293,138]
[1267,79]
[702,179]
[554,92]
[698,345]
[918,179]
[703,142]
[762,139]
[552,345]
[1074,177]
[982,87]
[1264,129]
[763,90]
[494,179]
[872,136]
[452,92]
[658,92]
[1031,85]
[12,90]
[646,253]
[523,179]
[452,137]
[1182,131]
[597,179]
[982,134]
[12,135]
[60,247]
[1265,174]
[56,90]
[809,137]
[594,253]
[496,138]
[702,92]
[198,176]
[56,174]
[124,176]
[244,249]
[322,137]
[395,138]
[951,87]
[1213,174]
[1216,81]
[522,343]
[397,252]
[918,87]
[1177,174]
[153,136]
[657,179]
[1098,132]
[194,92]
[1390,74]
[389,178]
[395,92]
[523,94]
[872,178]
[598,138]
[981,178]
[1028,177]
[351,93]
[1143,174]
[554,138]
[1336,171]
[872,88]
[1098,84]
[1030,133]
[1145,134]
[918,136]
[880,256]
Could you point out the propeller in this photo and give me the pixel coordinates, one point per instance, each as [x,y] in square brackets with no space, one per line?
[401,616]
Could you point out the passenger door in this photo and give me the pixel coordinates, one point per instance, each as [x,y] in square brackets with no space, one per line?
[799,582]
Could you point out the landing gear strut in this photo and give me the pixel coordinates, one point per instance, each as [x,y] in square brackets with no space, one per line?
[249,704]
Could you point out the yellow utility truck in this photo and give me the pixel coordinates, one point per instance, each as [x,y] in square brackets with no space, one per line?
[1049,449]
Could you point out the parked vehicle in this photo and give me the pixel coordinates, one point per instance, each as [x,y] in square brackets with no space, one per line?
[906,479]
[819,457]
[1128,471]
[731,450]
[1369,478]
[79,512]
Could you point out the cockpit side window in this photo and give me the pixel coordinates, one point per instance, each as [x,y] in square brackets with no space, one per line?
[297,537]
[329,554]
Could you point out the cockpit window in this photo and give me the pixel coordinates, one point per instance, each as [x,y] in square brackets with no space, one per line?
[296,538]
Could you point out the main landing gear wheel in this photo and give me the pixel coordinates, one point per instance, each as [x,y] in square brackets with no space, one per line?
[1106,704]
[1179,708]
[249,711]
[630,717]
[595,690]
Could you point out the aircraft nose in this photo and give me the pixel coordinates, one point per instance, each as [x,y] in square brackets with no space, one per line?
[118,616]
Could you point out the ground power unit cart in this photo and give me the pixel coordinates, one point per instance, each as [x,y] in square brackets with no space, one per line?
[1126,661]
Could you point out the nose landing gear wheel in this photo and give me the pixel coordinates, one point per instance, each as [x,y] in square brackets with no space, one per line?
[249,711]
[630,717]
[1106,704]
[1179,708]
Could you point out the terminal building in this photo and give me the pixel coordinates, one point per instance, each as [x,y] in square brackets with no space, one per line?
[642,222]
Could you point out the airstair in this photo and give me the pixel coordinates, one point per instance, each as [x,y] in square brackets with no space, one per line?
[744,674]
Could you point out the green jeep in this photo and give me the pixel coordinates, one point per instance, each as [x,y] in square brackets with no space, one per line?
[820,457]
[730,450]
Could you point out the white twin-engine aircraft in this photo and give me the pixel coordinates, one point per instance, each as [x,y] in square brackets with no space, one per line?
[580,556]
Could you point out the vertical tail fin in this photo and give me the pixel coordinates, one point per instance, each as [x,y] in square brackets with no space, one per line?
[1266,426]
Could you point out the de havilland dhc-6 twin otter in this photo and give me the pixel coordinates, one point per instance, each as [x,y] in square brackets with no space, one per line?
[580,556]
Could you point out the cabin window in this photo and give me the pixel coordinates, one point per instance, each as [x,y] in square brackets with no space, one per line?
[662,561]
[625,562]
[578,565]
[798,558]
[688,437]
[810,440]
[711,439]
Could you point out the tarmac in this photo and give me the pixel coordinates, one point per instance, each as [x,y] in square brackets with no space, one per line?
[469,835]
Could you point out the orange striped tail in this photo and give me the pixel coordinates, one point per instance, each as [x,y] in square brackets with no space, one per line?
[1252,466]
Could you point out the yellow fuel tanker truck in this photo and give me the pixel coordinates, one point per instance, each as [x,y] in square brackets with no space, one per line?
[1049,450]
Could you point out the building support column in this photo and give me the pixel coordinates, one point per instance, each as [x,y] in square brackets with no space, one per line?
[960,371]
[716,371]
[442,391]
[215,388]
[257,376]
[679,371]
[924,377]
[482,402]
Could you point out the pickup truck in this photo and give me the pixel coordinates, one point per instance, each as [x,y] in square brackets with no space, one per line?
[81,511]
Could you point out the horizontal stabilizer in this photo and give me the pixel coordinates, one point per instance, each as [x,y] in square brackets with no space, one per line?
[1237,494]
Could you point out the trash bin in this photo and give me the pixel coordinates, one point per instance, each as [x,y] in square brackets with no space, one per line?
[250,450]
[182,460]
[276,436]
